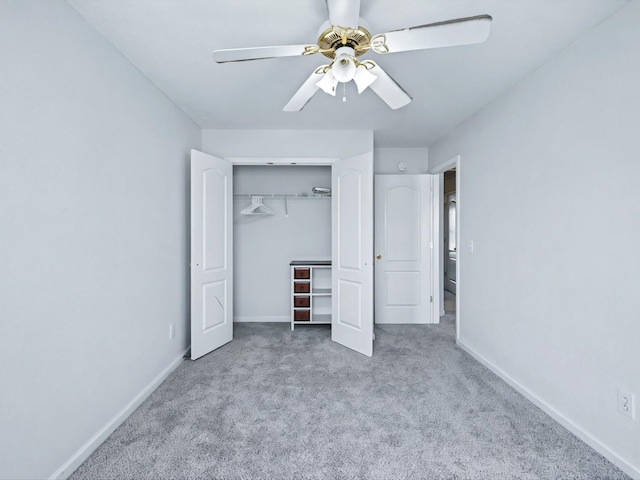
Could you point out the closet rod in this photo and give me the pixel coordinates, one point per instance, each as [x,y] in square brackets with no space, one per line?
[281,195]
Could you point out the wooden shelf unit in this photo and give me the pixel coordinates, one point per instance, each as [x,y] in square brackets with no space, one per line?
[310,293]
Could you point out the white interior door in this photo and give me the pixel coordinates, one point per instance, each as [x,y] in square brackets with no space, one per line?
[352,246]
[211,253]
[403,250]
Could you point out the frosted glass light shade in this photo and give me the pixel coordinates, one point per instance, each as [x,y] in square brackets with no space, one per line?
[363,78]
[328,83]
[344,66]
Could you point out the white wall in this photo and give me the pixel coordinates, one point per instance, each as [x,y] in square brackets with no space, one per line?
[93,235]
[263,246]
[549,195]
[287,143]
[385,160]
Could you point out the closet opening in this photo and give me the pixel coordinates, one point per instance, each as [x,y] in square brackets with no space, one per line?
[281,214]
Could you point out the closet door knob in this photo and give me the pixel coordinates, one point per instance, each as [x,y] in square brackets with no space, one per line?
[379,257]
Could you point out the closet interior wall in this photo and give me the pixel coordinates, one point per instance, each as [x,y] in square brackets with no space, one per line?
[264,245]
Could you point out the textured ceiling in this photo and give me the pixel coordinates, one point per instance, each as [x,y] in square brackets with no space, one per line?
[171,42]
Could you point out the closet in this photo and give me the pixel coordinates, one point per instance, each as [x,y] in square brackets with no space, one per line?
[264,236]
[290,224]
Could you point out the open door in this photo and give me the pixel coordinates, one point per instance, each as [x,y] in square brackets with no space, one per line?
[211,253]
[352,245]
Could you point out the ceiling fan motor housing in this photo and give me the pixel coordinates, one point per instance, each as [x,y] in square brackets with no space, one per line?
[332,37]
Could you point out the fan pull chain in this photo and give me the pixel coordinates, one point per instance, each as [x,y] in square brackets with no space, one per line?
[344,93]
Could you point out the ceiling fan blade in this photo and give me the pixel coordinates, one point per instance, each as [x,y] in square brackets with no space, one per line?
[304,93]
[460,31]
[259,53]
[388,90]
[344,13]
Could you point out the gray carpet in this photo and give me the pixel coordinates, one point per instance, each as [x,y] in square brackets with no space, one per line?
[276,404]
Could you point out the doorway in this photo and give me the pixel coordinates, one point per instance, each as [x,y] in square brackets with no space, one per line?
[297,227]
[448,239]
[449,242]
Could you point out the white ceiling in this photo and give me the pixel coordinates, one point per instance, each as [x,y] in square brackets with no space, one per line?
[171,42]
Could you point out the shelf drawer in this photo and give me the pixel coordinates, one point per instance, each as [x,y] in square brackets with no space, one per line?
[301,315]
[302,301]
[301,273]
[302,287]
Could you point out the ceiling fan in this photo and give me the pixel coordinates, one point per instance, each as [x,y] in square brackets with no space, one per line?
[344,38]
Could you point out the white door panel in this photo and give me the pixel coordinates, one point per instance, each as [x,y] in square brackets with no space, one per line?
[402,246]
[402,233]
[352,244]
[211,253]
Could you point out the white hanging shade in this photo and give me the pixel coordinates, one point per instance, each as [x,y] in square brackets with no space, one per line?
[363,78]
[344,66]
[328,83]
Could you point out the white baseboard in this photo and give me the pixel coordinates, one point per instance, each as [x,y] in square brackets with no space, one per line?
[586,437]
[278,319]
[401,322]
[101,435]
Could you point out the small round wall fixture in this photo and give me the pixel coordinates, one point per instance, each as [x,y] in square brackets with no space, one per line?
[402,166]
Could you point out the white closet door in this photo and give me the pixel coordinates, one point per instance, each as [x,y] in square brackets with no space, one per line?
[211,253]
[352,244]
[402,246]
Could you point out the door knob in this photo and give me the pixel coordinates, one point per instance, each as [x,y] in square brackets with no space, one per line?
[379,257]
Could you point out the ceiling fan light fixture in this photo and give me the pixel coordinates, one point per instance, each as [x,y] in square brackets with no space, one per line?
[344,66]
[363,78]
[328,83]
[343,39]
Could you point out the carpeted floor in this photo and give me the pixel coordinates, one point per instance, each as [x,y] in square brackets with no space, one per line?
[276,404]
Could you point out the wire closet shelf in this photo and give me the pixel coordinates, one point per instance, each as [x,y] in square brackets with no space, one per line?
[258,208]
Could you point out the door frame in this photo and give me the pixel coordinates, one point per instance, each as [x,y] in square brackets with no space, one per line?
[299,161]
[438,225]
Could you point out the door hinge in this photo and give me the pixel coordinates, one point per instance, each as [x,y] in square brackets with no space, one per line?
[431,299]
